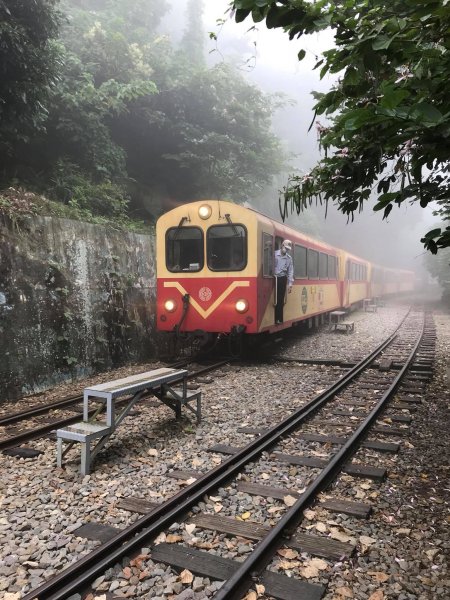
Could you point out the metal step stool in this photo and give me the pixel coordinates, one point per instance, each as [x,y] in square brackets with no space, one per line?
[90,431]
[83,432]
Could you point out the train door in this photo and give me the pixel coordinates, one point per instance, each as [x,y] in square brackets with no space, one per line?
[266,287]
[278,242]
[348,275]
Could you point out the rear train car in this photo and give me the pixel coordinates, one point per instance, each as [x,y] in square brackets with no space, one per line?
[355,279]
[386,281]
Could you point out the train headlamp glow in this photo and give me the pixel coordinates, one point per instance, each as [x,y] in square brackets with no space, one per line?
[170,305]
[241,306]
[204,212]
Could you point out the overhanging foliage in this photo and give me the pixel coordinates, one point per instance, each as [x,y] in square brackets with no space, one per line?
[388,117]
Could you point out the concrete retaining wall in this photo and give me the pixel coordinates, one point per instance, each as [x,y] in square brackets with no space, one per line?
[75,298]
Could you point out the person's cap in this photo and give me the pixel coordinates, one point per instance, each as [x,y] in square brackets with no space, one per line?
[287,244]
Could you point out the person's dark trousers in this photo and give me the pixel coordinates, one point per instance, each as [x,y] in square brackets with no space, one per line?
[281,292]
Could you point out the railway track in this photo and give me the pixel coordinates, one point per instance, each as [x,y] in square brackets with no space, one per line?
[40,430]
[373,382]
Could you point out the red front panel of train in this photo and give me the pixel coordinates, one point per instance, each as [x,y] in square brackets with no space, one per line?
[211,305]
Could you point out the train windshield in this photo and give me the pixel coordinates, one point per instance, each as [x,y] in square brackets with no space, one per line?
[226,247]
[184,249]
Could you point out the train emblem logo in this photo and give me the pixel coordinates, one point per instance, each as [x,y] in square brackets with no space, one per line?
[205,294]
[304,300]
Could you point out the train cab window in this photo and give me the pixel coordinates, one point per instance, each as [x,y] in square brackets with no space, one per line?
[267,255]
[226,247]
[300,264]
[332,271]
[184,249]
[313,264]
[323,266]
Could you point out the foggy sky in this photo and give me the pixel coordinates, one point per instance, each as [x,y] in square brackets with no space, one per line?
[268,59]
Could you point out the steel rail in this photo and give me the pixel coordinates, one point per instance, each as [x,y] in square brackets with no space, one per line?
[33,434]
[262,554]
[38,410]
[80,574]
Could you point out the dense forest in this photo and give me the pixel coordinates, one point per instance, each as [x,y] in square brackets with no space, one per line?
[109,118]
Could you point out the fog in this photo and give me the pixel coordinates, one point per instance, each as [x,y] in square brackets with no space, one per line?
[269,60]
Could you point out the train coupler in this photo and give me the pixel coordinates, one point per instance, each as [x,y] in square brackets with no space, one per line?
[238,329]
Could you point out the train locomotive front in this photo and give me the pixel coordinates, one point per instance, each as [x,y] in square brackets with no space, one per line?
[206,277]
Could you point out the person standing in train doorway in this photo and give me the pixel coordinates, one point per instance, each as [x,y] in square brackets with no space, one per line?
[284,274]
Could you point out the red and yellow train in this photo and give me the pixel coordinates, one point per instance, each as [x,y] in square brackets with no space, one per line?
[215,272]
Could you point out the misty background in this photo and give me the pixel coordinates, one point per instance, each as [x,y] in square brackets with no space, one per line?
[154,103]
[274,67]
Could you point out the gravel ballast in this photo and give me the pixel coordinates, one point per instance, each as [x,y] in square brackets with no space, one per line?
[43,506]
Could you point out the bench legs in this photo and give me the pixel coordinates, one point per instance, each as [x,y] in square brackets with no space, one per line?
[59,452]
[175,399]
[176,403]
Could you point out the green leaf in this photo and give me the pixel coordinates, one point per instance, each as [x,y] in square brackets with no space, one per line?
[258,15]
[352,76]
[384,200]
[387,210]
[356,118]
[434,233]
[393,97]
[382,42]
[427,113]
[301,55]
[241,14]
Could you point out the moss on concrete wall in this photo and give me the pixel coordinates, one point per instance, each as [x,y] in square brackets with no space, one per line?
[75,298]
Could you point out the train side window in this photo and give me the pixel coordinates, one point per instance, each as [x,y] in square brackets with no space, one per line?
[331,267]
[300,265]
[184,249]
[267,255]
[226,247]
[323,266]
[313,264]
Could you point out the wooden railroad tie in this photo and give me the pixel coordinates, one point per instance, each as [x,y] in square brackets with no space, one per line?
[215,567]
[357,470]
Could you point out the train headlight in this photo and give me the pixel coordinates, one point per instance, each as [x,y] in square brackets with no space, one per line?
[170,305]
[241,306]
[204,212]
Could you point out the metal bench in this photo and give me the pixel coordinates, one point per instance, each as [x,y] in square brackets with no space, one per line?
[335,318]
[370,305]
[90,431]
[349,326]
